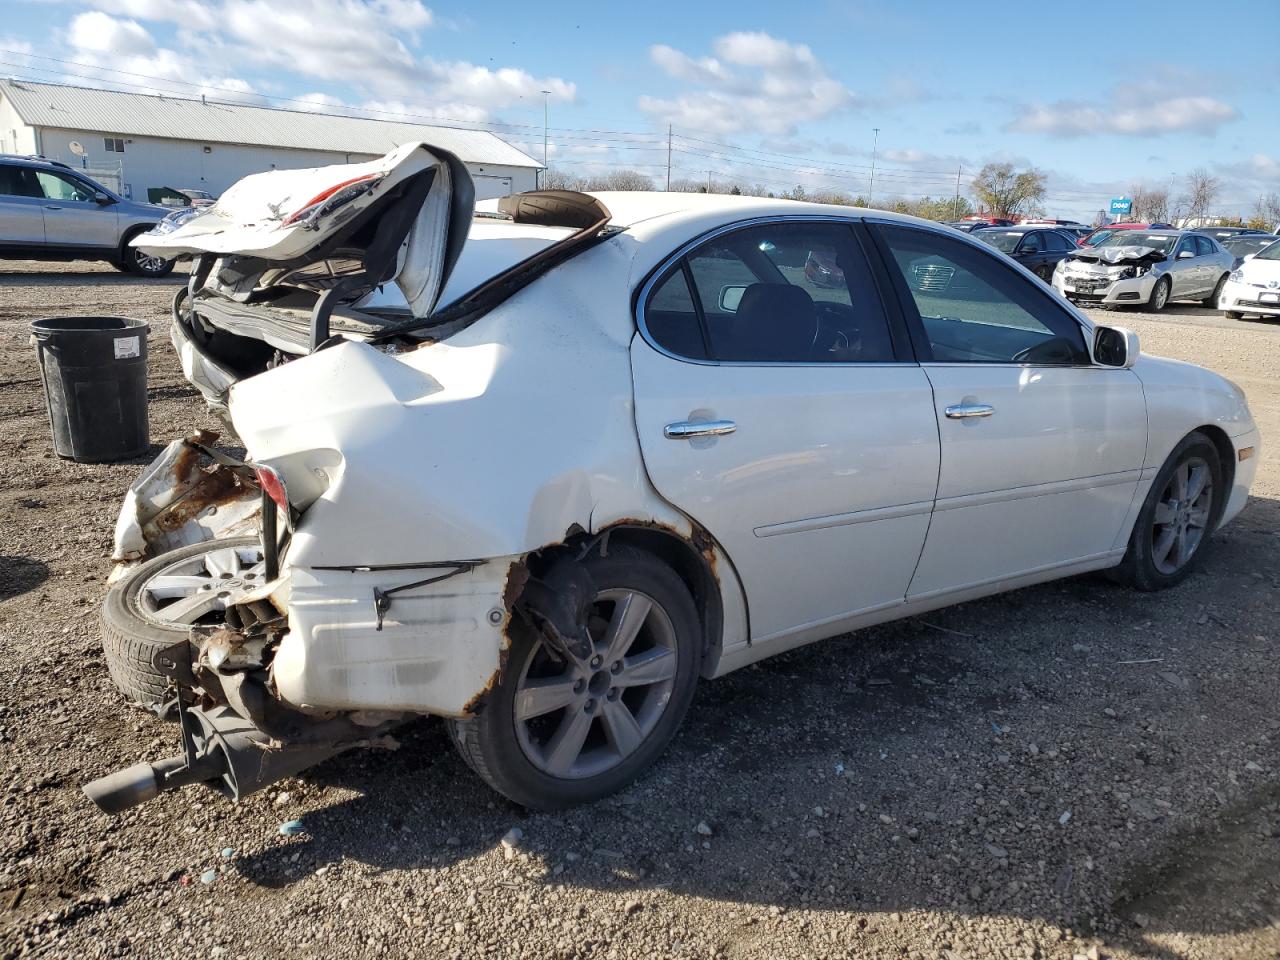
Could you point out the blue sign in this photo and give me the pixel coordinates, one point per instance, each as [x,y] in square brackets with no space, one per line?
[1121,205]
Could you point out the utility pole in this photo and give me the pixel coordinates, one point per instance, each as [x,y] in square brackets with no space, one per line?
[871,186]
[955,211]
[668,158]
[545,115]
[708,181]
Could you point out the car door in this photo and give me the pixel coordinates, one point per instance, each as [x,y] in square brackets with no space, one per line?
[778,406]
[72,215]
[1041,449]
[1208,263]
[1030,252]
[21,207]
[1185,271]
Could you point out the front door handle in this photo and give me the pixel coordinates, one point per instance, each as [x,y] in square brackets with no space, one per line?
[688,429]
[962,411]
[52,206]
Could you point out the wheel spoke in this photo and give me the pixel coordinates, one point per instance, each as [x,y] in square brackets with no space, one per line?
[1180,550]
[1164,514]
[1198,481]
[652,666]
[1163,544]
[189,609]
[541,696]
[166,585]
[565,745]
[223,563]
[629,615]
[620,727]
[1179,480]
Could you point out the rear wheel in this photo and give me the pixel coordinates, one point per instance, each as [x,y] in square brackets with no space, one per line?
[560,729]
[1160,295]
[1177,517]
[1212,299]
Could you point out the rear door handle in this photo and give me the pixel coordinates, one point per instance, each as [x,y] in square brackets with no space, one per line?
[688,429]
[962,411]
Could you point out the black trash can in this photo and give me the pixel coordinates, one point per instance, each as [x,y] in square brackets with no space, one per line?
[95,383]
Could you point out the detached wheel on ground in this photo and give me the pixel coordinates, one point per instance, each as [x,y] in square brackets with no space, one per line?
[1160,295]
[157,604]
[1177,518]
[134,260]
[562,730]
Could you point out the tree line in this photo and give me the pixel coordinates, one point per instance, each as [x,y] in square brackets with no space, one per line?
[999,189]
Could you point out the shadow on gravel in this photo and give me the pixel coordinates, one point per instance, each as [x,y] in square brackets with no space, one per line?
[20,574]
[1027,755]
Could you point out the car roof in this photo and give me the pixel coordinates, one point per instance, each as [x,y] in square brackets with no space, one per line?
[29,161]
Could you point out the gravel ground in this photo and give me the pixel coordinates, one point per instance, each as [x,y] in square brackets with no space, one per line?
[1072,769]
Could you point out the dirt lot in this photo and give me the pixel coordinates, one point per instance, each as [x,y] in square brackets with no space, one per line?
[1067,769]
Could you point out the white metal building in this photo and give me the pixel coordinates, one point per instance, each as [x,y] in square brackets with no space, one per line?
[161,141]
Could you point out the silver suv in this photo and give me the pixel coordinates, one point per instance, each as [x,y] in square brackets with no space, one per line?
[49,211]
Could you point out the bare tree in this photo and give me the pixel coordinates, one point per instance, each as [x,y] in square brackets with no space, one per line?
[1005,191]
[1266,211]
[1149,205]
[553,179]
[1202,192]
[618,180]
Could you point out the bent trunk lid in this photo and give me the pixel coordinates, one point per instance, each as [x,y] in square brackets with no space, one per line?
[401,217]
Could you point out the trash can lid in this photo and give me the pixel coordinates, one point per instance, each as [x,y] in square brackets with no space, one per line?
[54,325]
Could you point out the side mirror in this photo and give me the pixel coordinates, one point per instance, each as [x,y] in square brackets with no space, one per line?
[1115,347]
[102,199]
[1186,255]
[731,297]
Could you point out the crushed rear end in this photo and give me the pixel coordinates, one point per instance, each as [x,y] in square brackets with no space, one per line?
[312,323]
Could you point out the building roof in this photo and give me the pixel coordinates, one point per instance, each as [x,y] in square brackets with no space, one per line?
[147,115]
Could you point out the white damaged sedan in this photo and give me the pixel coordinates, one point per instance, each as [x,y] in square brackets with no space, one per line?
[536,467]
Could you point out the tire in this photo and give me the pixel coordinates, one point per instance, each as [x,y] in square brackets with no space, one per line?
[134,260]
[1233,314]
[1141,566]
[1212,300]
[1160,295]
[513,756]
[131,637]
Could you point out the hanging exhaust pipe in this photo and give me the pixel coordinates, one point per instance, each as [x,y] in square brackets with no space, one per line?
[223,750]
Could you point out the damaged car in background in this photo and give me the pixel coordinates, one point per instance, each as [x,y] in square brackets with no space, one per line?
[1145,268]
[537,465]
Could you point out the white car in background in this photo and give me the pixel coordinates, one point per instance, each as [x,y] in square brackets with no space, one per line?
[1254,287]
[538,469]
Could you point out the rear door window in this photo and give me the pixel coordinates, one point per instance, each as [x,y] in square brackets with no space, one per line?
[787,292]
[18,182]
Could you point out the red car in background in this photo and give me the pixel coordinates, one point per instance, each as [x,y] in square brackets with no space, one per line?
[1097,236]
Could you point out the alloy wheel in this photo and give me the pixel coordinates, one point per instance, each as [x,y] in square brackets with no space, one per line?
[149,264]
[1181,517]
[580,716]
[1160,296]
[192,589]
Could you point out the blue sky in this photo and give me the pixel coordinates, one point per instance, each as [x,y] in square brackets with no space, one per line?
[776,94]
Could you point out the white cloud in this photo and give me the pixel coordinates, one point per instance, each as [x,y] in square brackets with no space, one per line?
[368,47]
[99,33]
[1126,115]
[753,82]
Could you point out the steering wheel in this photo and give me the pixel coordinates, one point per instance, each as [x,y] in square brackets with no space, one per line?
[831,334]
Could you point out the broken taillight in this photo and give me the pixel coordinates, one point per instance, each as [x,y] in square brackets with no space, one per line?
[333,197]
[273,486]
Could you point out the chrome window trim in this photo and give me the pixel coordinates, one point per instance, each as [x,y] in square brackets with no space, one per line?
[660,273]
